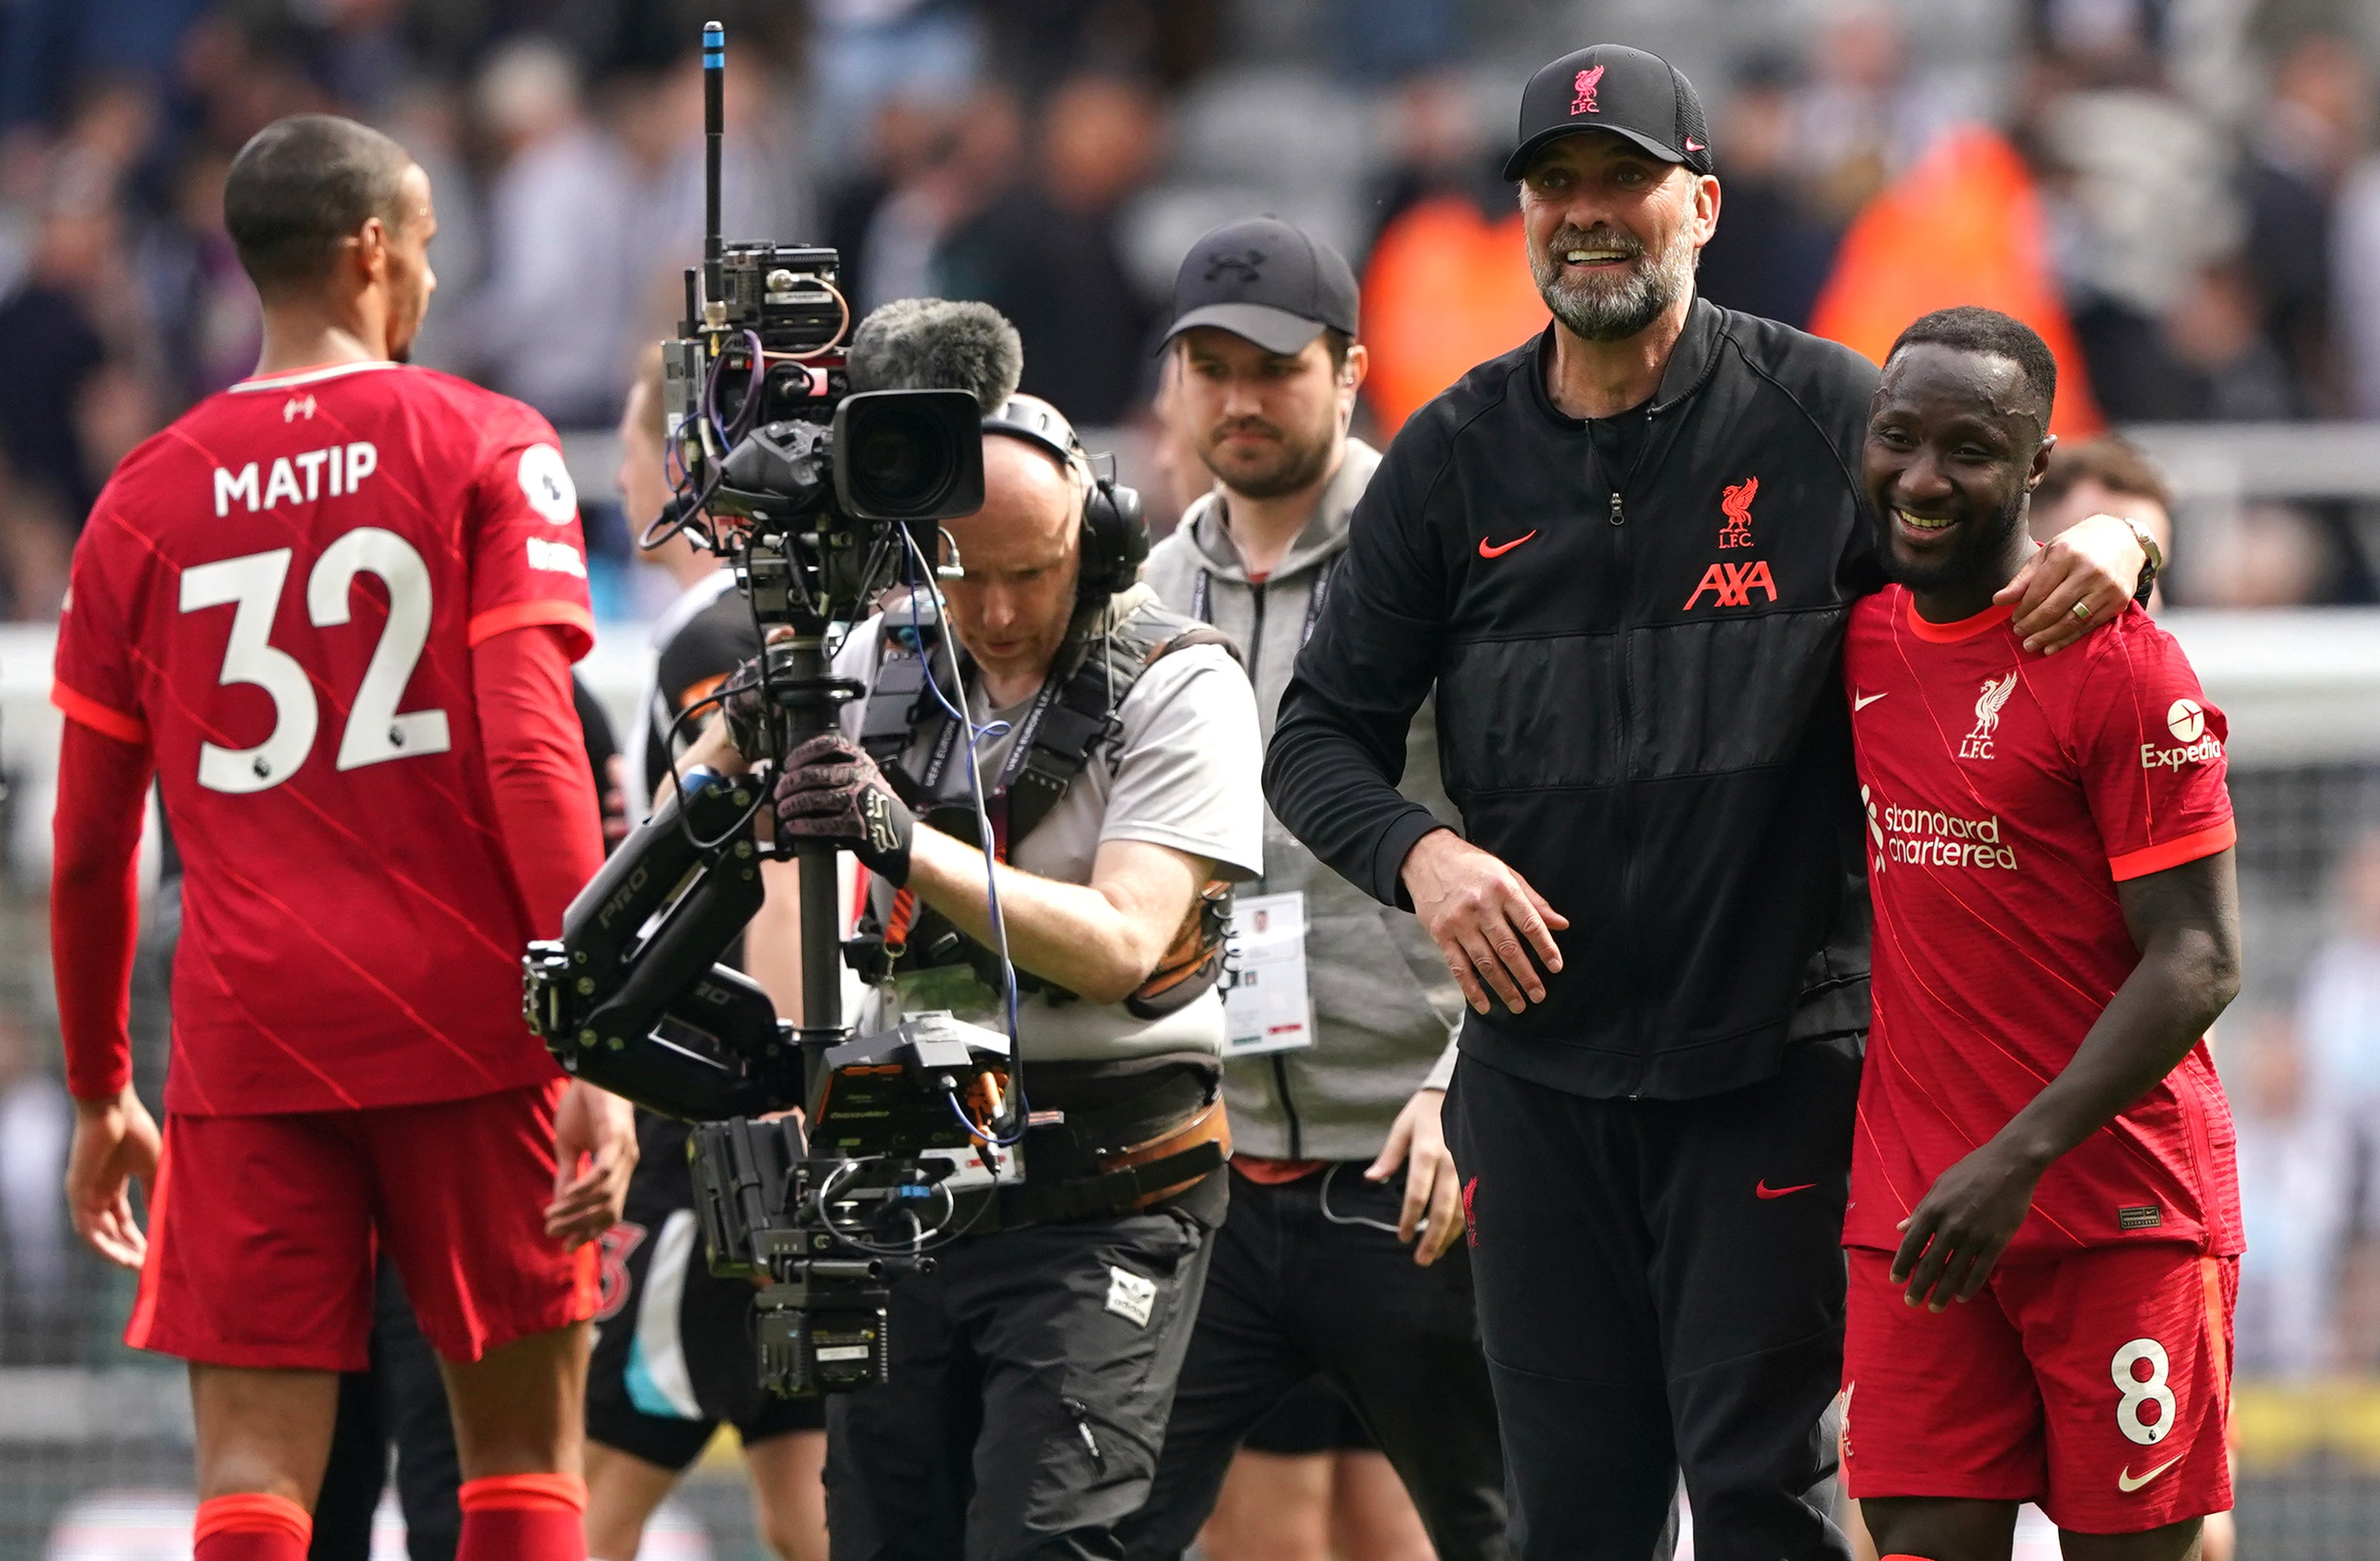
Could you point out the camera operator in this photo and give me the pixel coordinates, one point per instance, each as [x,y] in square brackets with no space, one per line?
[1623,555]
[1325,1265]
[1031,1371]
[674,1352]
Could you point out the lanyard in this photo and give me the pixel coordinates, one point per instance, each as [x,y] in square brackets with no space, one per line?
[1202,592]
[1020,748]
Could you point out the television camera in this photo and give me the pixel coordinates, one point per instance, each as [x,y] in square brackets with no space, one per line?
[819,498]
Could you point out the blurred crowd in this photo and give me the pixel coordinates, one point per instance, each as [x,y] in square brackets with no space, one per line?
[2197,228]
[2304,1083]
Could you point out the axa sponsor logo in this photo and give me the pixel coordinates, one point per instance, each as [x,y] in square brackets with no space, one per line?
[2186,719]
[1732,584]
[1926,837]
[1583,84]
[1977,744]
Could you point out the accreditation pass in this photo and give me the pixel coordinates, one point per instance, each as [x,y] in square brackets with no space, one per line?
[1265,1007]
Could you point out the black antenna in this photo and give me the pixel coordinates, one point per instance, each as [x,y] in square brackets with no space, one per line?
[714,78]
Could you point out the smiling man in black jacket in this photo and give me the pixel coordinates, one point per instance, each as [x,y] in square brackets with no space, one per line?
[1624,553]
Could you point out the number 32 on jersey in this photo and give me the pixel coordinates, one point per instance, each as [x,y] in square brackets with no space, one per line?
[250,586]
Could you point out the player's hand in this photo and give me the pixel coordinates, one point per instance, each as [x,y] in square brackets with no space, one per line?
[594,1152]
[114,1140]
[1485,919]
[1951,1240]
[1433,1207]
[2095,562]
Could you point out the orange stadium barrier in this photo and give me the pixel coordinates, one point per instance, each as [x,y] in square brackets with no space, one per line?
[1964,225]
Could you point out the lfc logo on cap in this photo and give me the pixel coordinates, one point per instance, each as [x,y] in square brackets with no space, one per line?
[1584,103]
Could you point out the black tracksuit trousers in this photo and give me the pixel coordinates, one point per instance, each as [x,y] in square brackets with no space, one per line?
[1032,1373]
[1660,1287]
[1304,1287]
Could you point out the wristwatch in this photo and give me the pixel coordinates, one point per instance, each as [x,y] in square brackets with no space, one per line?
[2154,556]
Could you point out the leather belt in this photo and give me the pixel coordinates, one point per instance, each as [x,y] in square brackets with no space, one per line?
[1124,1180]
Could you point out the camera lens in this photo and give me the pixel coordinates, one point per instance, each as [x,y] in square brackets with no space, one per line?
[908,456]
[899,466]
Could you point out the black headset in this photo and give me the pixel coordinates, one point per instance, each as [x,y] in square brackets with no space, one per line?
[1115,532]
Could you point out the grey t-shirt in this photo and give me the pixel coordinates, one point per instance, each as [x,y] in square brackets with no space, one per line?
[1184,771]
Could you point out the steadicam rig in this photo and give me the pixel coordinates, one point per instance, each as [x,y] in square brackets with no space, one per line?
[819,498]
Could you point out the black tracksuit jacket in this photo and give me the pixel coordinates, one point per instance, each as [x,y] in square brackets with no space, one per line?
[1634,625]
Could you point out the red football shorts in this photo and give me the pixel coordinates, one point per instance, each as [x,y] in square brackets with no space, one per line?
[2098,1386]
[262,1232]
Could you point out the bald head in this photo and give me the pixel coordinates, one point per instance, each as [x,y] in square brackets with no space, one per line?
[1026,490]
[1021,554]
[300,189]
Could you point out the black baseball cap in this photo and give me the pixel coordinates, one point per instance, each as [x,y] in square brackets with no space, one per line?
[1612,87]
[1266,280]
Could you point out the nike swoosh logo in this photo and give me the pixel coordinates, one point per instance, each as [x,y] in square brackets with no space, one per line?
[1487,551]
[1862,701]
[1765,1191]
[2126,1484]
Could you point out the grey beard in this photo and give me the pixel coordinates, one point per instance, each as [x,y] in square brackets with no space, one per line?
[1614,314]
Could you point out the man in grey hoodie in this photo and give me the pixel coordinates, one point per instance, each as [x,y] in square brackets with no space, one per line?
[1330,1262]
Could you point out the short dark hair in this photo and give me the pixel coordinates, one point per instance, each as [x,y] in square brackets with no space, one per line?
[2113,462]
[302,186]
[1972,329]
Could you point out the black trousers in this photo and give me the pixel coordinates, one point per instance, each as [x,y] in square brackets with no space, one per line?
[1661,1287]
[1294,1293]
[1031,1375]
[401,1398]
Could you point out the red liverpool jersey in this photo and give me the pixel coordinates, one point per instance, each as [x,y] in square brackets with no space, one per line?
[279,594]
[2006,795]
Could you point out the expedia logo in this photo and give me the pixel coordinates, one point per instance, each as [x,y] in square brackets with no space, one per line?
[2186,719]
[1925,837]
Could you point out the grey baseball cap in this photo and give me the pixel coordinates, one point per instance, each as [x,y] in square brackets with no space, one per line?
[1266,280]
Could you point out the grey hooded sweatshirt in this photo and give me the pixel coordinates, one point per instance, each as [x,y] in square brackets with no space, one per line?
[1386,1010]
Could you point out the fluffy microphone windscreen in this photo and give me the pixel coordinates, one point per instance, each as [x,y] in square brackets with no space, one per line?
[936,344]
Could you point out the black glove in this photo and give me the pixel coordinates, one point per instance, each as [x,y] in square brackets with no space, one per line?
[829,790]
[740,702]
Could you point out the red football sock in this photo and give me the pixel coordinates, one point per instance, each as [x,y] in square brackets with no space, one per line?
[523,1517]
[252,1528]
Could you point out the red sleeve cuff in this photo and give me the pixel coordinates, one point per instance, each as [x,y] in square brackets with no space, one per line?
[102,718]
[100,1079]
[522,614]
[2173,853]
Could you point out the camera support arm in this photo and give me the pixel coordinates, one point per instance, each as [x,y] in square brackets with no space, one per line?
[629,998]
